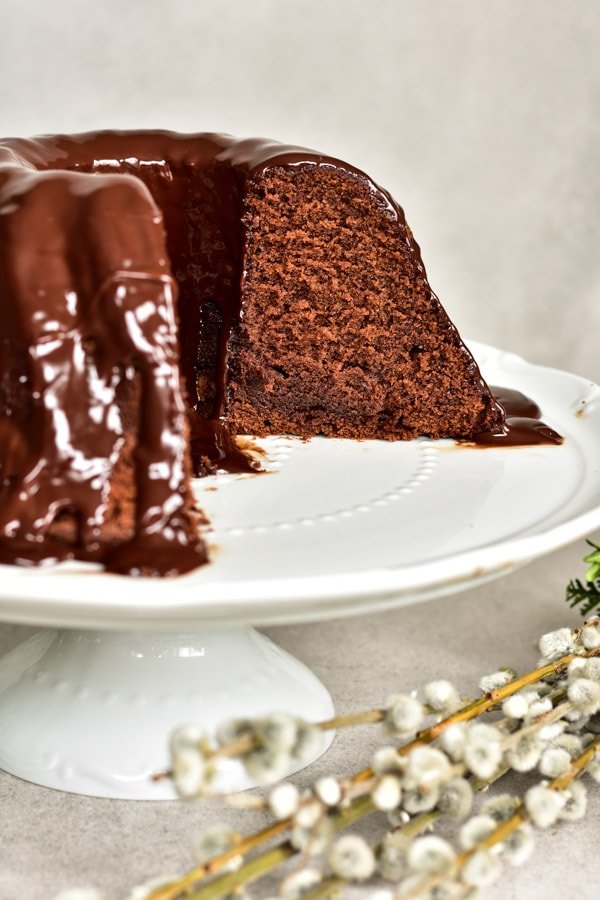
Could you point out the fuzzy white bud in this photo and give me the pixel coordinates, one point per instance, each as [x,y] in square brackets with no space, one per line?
[530,694]
[543,805]
[215,841]
[441,696]
[430,855]
[496,680]
[309,742]
[518,846]
[483,752]
[590,637]
[232,729]
[501,807]
[265,765]
[575,668]
[425,766]
[351,858]
[191,772]
[575,796]
[387,760]
[555,644]
[284,800]
[575,720]
[309,814]
[593,768]
[481,869]
[392,856]
[475,830]
[277,732]
[312,841]
[188,769]
[187,737]
[483,731]
[525,754]
[453,741]
[299,883]
[387,793]
[555,761]
[551,731]
[591,668]
[404,715]
[415,802]
[515,707]
[540,707]
[585,695]
[456,798]
[329,791]
[569,742]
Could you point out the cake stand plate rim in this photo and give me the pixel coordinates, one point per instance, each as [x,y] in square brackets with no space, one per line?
[94,599]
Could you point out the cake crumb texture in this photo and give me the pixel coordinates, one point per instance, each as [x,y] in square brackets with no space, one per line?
[340,333]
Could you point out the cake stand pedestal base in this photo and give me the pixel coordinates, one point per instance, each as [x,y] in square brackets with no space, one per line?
[90,712]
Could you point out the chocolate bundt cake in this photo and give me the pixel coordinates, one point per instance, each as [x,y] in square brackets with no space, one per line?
[161,292]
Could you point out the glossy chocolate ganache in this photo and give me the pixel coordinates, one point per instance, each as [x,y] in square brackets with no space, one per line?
[522,425]
[161,292]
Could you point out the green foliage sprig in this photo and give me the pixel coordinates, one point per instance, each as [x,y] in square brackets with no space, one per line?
[586,595]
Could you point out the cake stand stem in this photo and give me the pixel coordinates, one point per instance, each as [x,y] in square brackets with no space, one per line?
[90,712]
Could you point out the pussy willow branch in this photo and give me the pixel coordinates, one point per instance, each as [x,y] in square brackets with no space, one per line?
[484,704]
[514,735]
[334,883]
[246,743]
[184,886]
[257,867]
[506,828]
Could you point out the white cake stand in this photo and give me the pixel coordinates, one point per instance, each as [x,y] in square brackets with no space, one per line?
[337,528]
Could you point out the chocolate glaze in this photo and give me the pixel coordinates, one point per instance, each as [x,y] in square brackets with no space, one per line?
[89,283]
[214,448]
[522,425]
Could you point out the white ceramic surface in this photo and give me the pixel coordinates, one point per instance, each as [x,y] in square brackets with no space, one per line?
[90,712]
[344,527]
[337,527]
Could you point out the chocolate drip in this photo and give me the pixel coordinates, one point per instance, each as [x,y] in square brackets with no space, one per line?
[214,448]
[522,426]
[88,303]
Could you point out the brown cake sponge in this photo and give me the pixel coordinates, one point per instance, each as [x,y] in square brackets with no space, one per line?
[340,333]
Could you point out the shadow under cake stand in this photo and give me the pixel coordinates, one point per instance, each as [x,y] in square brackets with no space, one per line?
[337,528]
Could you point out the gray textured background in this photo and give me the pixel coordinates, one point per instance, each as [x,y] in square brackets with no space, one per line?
[483,118]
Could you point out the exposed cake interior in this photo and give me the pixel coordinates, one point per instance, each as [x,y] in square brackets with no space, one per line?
[336,330]
[340,334]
